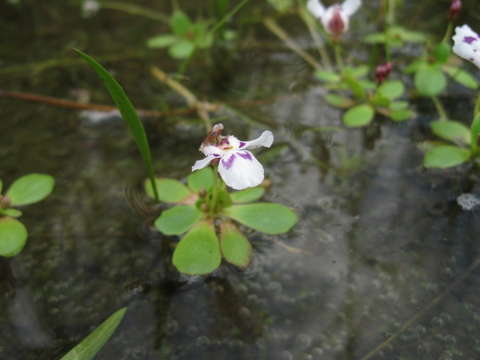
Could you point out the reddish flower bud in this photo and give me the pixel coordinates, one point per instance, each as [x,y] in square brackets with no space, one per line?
[455,8]
[383,71]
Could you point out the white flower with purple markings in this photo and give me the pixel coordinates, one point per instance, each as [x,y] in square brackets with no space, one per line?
[237,166]
[467,44]
[336,18]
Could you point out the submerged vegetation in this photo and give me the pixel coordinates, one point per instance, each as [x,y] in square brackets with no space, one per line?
[208,215]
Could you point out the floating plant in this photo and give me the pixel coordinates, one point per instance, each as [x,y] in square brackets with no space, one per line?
[26,190]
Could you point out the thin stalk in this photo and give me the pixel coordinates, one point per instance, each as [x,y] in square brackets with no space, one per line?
[338,54]
[391,12]
[272,25]
[228,16]
[448,33]
[135,10]
[184,64]
[423,311]
[213,201]
[319,44]
[476,110]
[440,109]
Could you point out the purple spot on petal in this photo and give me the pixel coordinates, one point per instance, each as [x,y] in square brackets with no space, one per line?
[469,39]
[228,164]
[242,144]
[245,155]
[216,155]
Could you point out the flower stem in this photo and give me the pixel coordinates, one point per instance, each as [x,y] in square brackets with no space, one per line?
[338,54]
[440,109]
[448,32]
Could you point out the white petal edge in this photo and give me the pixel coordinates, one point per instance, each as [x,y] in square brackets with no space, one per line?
[350,7]
[243,173]
[470,52]
[200,164]
[316,8]
[265,140]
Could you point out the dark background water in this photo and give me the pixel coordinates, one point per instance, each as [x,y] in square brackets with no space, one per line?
[380,236]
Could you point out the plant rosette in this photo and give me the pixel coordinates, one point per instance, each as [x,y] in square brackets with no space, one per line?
[26,190]
[206,215]
[462,146]
[363,97]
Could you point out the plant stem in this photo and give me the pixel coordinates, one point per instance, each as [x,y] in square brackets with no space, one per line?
[391,12]
[213,204]
[228,16]
[312,28]
[272,25]
[476,110]
[448,33]
[135,10]
[338,54]
[440,109]
[423,311]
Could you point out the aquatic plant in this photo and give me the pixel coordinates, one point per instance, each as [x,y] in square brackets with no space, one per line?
[26,190]
[464,139]
[205,211]
[205,208]
[93,343]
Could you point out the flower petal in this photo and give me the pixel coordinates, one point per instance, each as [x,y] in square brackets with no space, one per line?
[265,140]
[350,7]
[200,164]
[467,44]
[241,170]
[316,8]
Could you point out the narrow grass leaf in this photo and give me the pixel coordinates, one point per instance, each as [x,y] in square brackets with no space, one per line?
[93,343]
[128,114]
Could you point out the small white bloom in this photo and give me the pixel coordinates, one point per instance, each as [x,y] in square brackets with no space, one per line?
[467,44]
[336,18]
[90,7]
[237,166]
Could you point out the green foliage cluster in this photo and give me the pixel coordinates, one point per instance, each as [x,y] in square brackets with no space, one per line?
[185,38]
[26,190]
[205,212]
[366,98]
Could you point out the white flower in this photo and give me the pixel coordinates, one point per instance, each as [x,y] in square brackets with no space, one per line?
[237,166]
[335,19]
[467,44]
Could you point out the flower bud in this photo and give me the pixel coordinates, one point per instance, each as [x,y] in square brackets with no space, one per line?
[455,8]
[383,71]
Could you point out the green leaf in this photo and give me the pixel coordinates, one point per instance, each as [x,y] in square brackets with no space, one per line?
[248,195]
[445,156]
[430,80]
[236,248]
[391,89]
[327,76]
[406,35]
[462,77]
[451,130]
[128,113]
[359,115]
[475,131]
[198,252]
[355,86]
[30,189]
[161,41]
[359,71]
[180,23]
[182,49]
[442,52]
[281,5]
[13,236]
[11,212]
[269,218]
[1,186]
[93,343]
[375,38]
[338,101]
[401,115]
[177,220]
[201,179]
[169,190]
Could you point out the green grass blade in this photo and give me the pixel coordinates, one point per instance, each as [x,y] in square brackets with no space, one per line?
[128,114]
[92,344]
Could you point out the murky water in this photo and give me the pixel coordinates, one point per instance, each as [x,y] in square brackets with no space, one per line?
[379,238]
